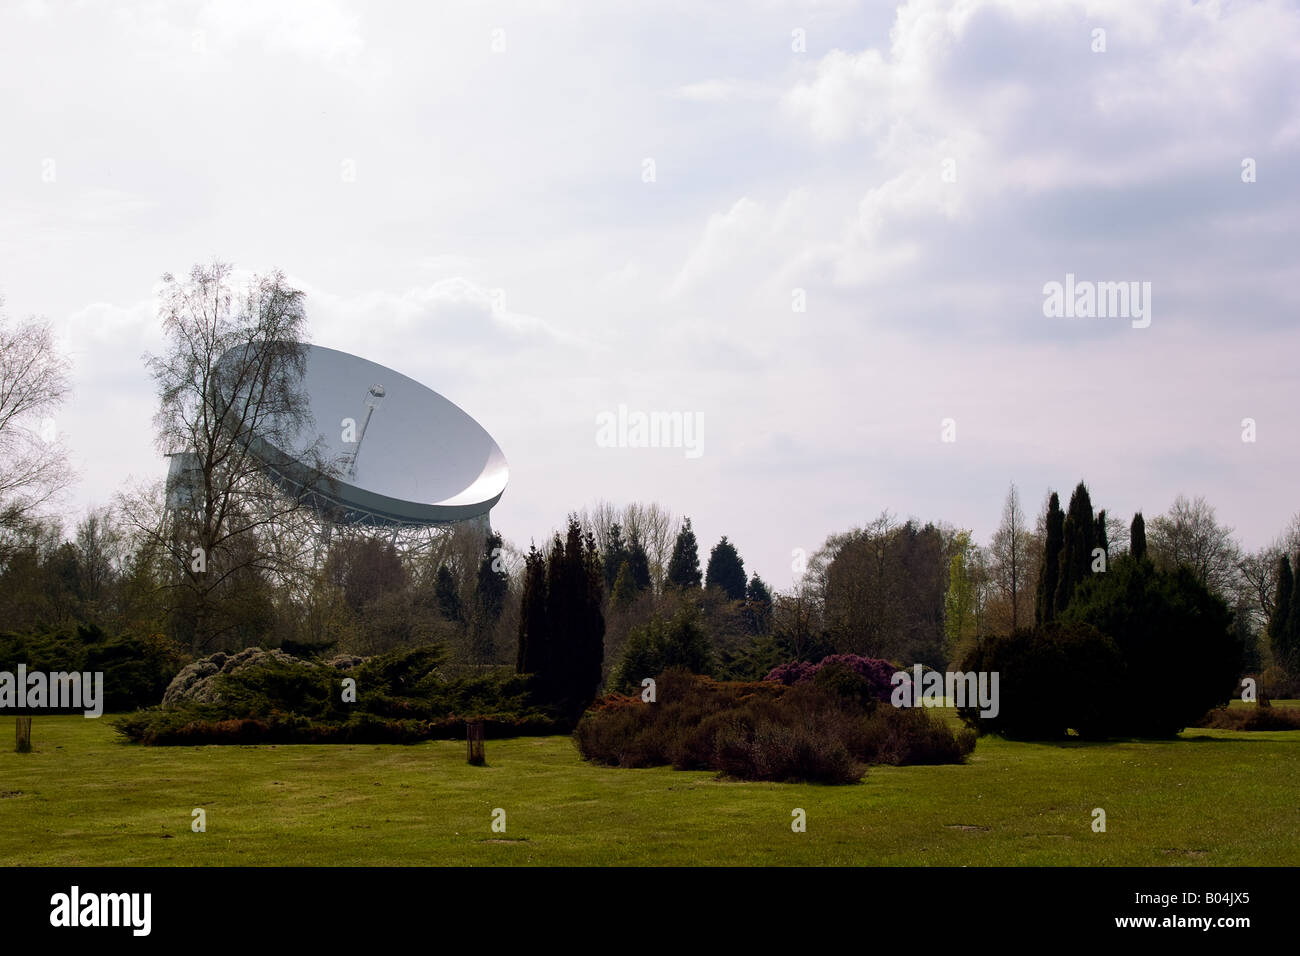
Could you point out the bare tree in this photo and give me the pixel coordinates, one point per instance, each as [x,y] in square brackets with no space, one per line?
[1258,571]
[1190,535]
[652,524]
[33,382]
[1009,551]
[100,551]
[230,378]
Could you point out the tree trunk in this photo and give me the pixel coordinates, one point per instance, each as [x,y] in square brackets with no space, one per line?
[474,738]
[24,735]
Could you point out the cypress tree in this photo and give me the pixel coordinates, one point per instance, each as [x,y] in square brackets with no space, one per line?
[1137,537]
[1050,572]
[1078,538]
[1103,541]
[684,567]
[576,626]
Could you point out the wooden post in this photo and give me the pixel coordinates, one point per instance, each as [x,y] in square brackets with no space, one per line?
[474,738]
[24,735]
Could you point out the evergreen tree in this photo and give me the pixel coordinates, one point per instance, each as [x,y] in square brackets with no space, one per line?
[614,555]
[1103,541]
[1137,537]
[684,567]
[1282,621]
[660,644]
[1049,573]
[492,579]
[593,649]
[448,598]
[575,623]
[640,563]
[624,588]
[726,570]
[534,626]
[1078,538]
[758,606]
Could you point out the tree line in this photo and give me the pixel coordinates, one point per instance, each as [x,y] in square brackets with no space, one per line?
[217,556]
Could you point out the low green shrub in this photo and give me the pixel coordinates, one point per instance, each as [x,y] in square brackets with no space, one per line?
[136,668]
[401,697]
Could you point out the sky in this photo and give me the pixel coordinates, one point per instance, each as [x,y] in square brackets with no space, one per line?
[823,230]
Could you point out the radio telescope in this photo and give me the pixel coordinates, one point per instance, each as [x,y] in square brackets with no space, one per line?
[386,453]
[409,456]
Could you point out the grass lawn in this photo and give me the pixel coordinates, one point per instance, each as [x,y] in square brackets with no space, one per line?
[82,797]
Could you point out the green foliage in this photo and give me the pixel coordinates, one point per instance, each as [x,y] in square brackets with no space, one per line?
[402,696]
[534,627]
[1051,680]
[758,606]
[493,581]
[1181,653]
[726,570]
[614,556]
[1049,574]
[1137,537]
[684,566]
[639,562]
[624,592]
[960,598]
[752,660]
[561,625]
[661,644]
[1078,539]
[136,668]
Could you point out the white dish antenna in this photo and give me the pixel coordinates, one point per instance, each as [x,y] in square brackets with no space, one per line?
[402,454]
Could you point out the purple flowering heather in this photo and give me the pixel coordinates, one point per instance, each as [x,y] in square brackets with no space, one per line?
[876,672]
[792,672]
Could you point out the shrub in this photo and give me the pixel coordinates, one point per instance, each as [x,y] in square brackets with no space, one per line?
[1176,639]
[1275,682]
[676,643]
[876,673]
[1051,680]
[136,668]
[824,730]
[402,697]
[912,735]
[1251,718]
[793,672]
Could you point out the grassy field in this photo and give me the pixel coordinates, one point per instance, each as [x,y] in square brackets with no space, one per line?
[84,798]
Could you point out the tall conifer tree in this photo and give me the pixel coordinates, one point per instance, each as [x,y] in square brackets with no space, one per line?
[1078,539]
[1050,572]
[684,567]
[1137,537]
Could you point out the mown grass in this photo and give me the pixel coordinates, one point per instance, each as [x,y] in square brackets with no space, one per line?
[84,798]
